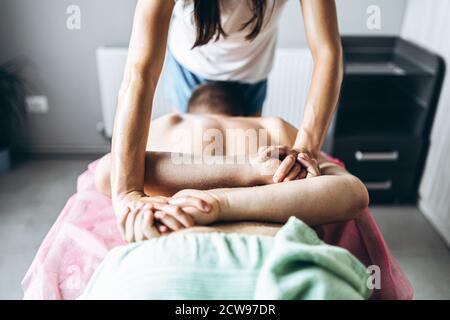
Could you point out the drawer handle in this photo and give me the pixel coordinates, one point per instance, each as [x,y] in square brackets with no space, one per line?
[387,185]
[376,156]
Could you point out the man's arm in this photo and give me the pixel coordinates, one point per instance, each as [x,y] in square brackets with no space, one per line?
[167,173]
[333,197]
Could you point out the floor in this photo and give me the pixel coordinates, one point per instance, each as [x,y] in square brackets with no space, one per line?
[32,195]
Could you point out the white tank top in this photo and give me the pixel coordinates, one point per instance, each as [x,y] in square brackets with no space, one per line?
[232,58]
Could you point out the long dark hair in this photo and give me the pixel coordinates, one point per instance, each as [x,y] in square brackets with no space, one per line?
[208,24]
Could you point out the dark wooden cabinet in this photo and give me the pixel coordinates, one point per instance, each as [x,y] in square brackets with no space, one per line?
[381,129]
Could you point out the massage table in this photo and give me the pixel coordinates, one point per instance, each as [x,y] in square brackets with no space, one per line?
[86,231]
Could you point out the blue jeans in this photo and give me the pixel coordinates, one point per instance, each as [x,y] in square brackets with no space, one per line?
[180,82]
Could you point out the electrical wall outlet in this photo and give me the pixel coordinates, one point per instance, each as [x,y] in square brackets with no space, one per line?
[37,104]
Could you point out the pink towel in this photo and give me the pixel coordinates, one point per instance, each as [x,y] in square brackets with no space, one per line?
[86,230]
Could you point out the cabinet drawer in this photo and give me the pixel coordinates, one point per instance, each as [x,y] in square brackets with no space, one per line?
[367,155]
[386,187]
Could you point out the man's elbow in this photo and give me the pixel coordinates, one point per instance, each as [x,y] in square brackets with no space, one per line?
[359,198]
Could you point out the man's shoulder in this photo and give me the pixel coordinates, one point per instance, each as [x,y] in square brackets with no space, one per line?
[280,129]
[168,120]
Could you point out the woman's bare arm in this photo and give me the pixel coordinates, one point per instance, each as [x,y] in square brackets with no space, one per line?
[145,59]
[322,33]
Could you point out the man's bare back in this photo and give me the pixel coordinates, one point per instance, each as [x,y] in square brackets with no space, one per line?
[218,135]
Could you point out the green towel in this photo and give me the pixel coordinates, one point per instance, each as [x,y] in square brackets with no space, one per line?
[294,264]
[301,266]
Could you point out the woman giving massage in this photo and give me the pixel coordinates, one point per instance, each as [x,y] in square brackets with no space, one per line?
[217,40]
[211,165]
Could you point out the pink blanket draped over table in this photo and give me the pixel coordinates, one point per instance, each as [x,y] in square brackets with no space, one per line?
[86,230]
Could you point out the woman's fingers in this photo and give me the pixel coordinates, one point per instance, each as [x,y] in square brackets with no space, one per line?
[122,222]
[177,213]
[147,227]
[135,223]
[310,164]
[272,152]
[167,219]
[141,208]
[129,225]
[157,199]
[138,235]
[190,201]
[284,168]
[161,228]
[295,171]
[303,173]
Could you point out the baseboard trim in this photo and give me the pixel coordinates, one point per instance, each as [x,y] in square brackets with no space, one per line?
[60,152]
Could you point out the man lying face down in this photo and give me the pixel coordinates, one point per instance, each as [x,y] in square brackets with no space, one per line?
[211,167]
[222,212]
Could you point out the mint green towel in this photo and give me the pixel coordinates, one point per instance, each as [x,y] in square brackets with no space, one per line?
[294,264]
[301,266]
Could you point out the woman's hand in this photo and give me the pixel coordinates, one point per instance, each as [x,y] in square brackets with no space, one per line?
[135,216]
[264,167]
[293,164]
[203,206]
[142,217]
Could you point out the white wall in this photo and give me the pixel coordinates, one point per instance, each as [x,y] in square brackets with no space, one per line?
[352,19]
[427,23]
[62,62]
